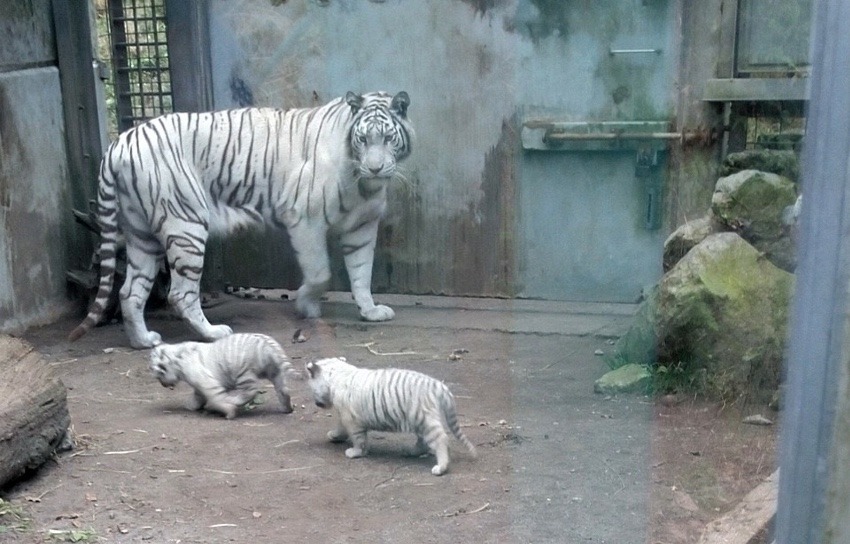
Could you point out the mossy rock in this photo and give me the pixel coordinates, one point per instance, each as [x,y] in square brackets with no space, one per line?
[724,308]
[782,163]
[752,202]
[630,378]
[640,343]
[686,237]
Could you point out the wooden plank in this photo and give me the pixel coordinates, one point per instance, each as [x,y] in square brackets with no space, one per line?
[756,89]
[748,519]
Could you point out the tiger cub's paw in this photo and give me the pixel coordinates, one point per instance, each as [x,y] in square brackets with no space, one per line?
[149,340]
[437,470]
[353,453]
[378,313]
[337,436]
[218,331]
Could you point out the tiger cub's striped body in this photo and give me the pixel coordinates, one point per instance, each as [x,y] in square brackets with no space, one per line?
[167,183]
[224,374]
[392,399]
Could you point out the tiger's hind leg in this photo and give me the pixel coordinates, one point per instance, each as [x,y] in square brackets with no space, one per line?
[184,244]
[223,403]
[197,402]
[142,267]
[438,442]
[420,448]
[279,381]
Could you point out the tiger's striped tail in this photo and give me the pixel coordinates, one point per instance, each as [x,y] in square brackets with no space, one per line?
[451,420]
[107,219]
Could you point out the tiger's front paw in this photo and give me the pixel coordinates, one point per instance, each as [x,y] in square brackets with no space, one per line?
[353,453]
[308,307]
[286,406]
[147,340]
[437,470]
[377,313]
[229,412]
[218,331]
[337,436]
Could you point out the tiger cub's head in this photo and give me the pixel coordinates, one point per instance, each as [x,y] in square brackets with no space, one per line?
[321,374]
[163,366]
[380,134]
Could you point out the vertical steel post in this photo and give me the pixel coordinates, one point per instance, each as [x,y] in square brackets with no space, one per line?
[818,316]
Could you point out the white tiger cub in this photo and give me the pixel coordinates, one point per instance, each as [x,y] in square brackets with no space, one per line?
[387,400]
[165,184]
[224,373]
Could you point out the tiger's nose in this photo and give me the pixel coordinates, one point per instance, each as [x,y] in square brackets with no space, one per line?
[376,169]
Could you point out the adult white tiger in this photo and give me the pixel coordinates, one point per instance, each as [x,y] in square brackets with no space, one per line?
[166,183]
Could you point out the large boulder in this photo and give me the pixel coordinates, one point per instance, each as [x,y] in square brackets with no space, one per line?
[782,163]
[724,308]
[753,204]
[686,237]
[721,311]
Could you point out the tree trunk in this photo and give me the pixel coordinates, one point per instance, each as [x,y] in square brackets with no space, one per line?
[34,415]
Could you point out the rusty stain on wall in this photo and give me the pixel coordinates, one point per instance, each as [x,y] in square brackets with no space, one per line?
[472,252]
[33,193]
[482,6]
[12,153]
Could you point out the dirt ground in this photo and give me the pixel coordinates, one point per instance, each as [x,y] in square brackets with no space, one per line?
[557,463]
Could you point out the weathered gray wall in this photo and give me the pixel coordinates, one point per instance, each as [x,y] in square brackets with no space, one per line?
[34,203]
[478,215]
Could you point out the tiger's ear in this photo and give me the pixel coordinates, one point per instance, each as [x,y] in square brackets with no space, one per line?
[400,103]
[354,100]
[313,370]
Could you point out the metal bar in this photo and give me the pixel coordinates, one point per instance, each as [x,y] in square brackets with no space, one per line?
[141,94]
[615,136]
[134,19]
[632,51]
[126,70]
[812,500]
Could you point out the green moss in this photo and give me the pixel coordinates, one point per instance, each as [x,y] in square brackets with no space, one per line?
[724,308]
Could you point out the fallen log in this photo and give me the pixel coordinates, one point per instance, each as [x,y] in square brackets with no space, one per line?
[34,415]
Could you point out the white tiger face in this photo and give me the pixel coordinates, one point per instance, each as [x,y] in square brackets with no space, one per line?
[162,366]
[320,374]
[319,385]
[380,135]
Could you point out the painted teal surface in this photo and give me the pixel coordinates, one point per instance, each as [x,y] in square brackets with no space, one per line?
[475,70]
[582,218]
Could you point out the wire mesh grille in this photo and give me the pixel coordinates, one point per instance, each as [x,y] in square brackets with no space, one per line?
[140,60]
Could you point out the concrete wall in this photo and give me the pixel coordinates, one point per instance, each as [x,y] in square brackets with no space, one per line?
[478,214]
[34,204]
